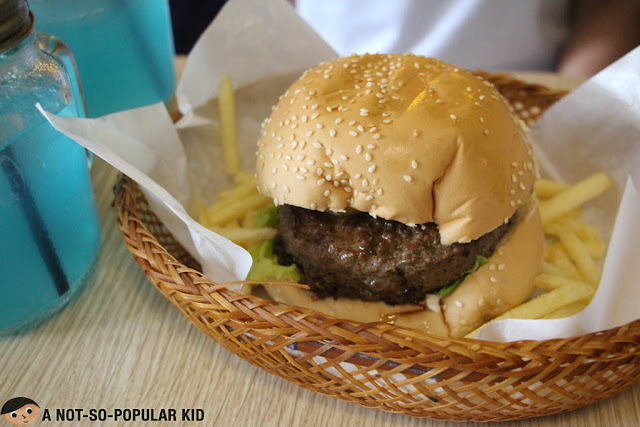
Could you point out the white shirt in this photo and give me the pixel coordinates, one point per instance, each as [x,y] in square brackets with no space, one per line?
[486,34]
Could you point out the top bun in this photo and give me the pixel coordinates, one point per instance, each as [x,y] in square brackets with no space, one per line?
[402,137]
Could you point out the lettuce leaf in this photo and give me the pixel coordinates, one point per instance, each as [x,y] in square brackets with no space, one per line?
[480,261]
[265,265]
[267,217]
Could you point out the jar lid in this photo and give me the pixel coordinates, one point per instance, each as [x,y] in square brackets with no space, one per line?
[16,21]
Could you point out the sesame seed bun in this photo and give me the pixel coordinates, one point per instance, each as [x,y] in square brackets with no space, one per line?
[505,282]
[402,137]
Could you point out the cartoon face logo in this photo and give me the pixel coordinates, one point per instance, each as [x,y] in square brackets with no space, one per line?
[20,411]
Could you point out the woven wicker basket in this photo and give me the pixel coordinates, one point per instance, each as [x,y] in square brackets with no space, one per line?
[381,365]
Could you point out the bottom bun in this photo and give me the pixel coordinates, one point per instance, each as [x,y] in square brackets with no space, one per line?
[506,281]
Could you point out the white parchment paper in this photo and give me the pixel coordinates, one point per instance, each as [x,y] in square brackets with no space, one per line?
[263,45]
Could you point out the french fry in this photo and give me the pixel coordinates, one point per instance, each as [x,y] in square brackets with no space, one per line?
[243,235]
[203,217]
[561,260]
[549,282]
[548,268]
[228,127]
[544,304]
[549,302]
[579,253]
[568,310]
[223,213]
[595,248]
[238,192]
[581,228]
[573,197]
[242,177]
[546,188]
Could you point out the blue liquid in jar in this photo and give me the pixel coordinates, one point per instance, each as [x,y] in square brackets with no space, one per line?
[54,170]
[124,49]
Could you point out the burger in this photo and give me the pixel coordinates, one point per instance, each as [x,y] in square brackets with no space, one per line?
[403,188]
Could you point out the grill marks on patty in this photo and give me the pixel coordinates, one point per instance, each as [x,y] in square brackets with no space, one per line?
[355,255]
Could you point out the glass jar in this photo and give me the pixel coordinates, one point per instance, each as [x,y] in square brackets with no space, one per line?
[49,229]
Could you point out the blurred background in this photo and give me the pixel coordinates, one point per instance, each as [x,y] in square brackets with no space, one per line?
[573,37]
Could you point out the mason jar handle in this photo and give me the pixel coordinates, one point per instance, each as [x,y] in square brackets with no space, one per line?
[59,49]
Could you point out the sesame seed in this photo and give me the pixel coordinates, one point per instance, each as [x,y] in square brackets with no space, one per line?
[513,204]
[493,279]
[311,162]
[285,167]
[319,125]
[314,115]
[328,164]
[317,145]
[368,157]
[468,88]
[286,189]
[303,169]
[501,267]
[344,158]
[481,119]
[357,176]
[386,121]
[274,170]
[514,164]
[492,267]
[288,157]
[499,301]
[481,97]
[371,146]
[314,106]
[414,164]
[380,192]
[458,304]
[336,184]
[369,198]
[328,176]
[312,92]
[313,205]
[360,128]
[386,114]
[352,122]
[332,132]
[309,133]
[486,132]
[294,144]
[372,169]
[453,116]
[522,187]
[304,119]
[329,109]
[408,178]
[416,133]
[512,192]
[373,129]
[481,302]
[353,133]
[362,113]
[339,120]
[300,157]
[348,189]
[300,177]
[302,144]
[376,136]
[439,101]
[514,178]
[321,181]
[327,193]
[365,183]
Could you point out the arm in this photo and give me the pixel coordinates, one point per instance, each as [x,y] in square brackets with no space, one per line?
[601,32]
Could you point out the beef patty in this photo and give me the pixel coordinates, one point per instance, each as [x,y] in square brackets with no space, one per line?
[358,256]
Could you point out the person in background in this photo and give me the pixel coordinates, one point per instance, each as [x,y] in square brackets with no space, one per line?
[578,37]
[572,37]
